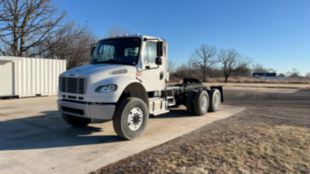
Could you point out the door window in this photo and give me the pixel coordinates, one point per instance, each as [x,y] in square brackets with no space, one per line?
[150,53]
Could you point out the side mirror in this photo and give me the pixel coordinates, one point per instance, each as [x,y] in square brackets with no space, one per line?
[92,48]
[160,53]
[160,47]
[158,61]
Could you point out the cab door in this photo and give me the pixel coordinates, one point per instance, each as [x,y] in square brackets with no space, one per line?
[152,75]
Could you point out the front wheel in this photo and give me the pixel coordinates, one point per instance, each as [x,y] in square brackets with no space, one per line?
[130,118]
[77,122]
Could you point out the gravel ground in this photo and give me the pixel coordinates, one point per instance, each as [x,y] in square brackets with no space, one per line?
[271,136]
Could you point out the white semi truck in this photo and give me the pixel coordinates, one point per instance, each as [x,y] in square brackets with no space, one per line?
[126,82]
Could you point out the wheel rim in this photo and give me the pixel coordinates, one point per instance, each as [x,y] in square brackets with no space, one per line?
[216,100]
[204,103]
[135,119]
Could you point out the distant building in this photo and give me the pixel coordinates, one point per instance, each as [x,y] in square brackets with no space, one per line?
[264,74]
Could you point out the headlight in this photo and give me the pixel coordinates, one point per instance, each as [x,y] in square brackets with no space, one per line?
[106,88]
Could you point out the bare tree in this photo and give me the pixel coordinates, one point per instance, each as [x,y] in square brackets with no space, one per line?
[282,75]
[182,72]
[293,74]
[231,62]
[26,24]
[171,66]
[307,75]
[243,70]
[258,68]
[72,43]
[204,57]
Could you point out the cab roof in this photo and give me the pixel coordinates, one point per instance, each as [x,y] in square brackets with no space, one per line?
[135,36]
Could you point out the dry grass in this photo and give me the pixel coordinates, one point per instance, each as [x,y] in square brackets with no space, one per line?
[256,148]
[271,136]
[300,80]
[292,83]
[261,85]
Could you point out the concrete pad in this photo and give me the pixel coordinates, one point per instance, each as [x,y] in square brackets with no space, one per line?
[34,138]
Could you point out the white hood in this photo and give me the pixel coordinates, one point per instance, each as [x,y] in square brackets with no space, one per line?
[98,69]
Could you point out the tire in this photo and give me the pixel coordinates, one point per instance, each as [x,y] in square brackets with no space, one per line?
[201,103]
[189,102]
[215,100]
[130,118]
[77,122]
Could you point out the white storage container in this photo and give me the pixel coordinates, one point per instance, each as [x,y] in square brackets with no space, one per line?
[25,77]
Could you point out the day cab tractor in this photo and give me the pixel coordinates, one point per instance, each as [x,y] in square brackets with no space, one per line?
[127,81]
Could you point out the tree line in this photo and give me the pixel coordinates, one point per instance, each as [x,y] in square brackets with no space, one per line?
[207,61]
[34,28]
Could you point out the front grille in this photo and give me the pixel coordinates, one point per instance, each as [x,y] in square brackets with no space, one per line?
[72,85]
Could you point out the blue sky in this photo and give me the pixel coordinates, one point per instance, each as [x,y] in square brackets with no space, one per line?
[274,33]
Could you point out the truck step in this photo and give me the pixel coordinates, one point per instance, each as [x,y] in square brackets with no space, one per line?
[158,106]
[160,112]
[171,101]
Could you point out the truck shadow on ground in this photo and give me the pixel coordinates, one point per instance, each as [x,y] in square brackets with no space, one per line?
[47,131]
[179,112]
[50,131]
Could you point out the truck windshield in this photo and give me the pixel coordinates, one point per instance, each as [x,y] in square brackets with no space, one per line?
[117,51]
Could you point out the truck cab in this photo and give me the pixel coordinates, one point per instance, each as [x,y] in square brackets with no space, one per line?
[126,81]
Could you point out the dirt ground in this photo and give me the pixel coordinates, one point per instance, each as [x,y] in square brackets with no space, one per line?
[271,136]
